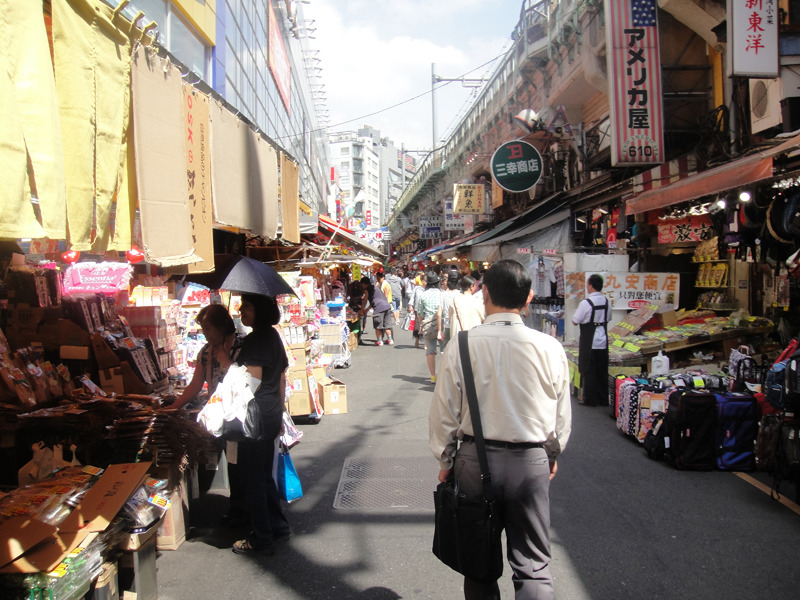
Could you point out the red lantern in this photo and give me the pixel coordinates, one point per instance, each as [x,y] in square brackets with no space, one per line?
[134,255]
[71,256]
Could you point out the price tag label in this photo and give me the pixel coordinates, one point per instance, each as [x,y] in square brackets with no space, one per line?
[698,381]
[632,347]
[159,500]
[619,343]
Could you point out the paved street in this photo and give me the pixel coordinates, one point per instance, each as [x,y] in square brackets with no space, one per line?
[622,525]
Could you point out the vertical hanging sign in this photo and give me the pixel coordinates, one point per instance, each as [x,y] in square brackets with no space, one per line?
[278,60]
[753,38]
[634,69]
[198,177]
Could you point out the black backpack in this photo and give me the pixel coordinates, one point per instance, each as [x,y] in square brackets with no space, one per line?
[654,441]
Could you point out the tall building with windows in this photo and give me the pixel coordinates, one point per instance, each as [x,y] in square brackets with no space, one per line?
[256,55]
[396,168]
[356,170]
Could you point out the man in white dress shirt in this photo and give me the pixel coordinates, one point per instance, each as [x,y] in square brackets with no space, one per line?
[522,383]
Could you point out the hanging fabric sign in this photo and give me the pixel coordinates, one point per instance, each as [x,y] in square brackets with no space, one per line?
[468,198]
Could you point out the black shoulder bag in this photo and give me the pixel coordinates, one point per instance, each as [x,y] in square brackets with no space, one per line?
[467,534]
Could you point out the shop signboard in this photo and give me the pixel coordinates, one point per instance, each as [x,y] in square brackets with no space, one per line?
[753,38]
[454,221]
[516,166]
[430,228]
[634,74]
[687,229]
[88,277]
[278,60]
[628,291]
[468,198]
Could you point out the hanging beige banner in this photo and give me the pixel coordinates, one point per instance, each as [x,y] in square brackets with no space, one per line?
[92,74]
[198,175]
[29,109]
[290,200]
[244,175]
[161,161]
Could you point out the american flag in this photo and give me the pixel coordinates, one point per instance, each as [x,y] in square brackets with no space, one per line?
[635,74]
[644,13]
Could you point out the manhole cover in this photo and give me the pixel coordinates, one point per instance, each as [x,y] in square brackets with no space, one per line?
[396,482]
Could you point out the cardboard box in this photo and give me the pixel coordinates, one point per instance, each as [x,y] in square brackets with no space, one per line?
[668,318]
[299,357]
[172,532]
[106,586]
[331,334]
[297,380]
[112,381]
[74,352]
[333,396]
[300,404]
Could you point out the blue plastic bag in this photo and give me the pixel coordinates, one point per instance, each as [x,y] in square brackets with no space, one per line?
[288,482]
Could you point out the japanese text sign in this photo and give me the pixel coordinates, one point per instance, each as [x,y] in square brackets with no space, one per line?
[430,228]
[634,73]
[688,229]
[753,37]
[452,220]
[516,166]
[278,60]
[468,198]
[627,290]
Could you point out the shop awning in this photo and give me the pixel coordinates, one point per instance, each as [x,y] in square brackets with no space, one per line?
[513,226]
[344,234]
[737,173]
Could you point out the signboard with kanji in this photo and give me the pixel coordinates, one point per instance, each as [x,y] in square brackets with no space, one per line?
[627,290]
[687,229]
[468,198]
[634,75]
[430,228]
[753,38]
[452,220]
[516,166]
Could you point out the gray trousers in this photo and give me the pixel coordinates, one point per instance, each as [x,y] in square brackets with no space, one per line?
[521,484]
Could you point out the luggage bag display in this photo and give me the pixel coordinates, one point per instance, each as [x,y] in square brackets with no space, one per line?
[736,431]
[691,418]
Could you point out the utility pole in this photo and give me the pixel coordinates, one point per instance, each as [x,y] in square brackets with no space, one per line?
[466,82]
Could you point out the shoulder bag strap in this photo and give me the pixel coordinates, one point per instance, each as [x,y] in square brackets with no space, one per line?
[477,427]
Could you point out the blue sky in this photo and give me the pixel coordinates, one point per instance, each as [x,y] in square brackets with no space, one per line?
[376,53]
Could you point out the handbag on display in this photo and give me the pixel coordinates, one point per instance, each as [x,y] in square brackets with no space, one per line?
[467,531]
[288,482]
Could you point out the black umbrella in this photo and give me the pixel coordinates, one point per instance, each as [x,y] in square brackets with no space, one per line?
[242,274]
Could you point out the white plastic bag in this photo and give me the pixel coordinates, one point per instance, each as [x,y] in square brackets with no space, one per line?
[229,400]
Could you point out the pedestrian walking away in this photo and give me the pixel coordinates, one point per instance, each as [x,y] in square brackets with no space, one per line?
[420,282]
[593,315]
[467,309]
[523,390]
[429,313]
[396,286]
[382,315]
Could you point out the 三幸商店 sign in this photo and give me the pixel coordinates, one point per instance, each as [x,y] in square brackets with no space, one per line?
[516,166]
[634,74]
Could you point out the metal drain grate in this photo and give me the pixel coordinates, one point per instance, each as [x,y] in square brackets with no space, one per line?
[396,482]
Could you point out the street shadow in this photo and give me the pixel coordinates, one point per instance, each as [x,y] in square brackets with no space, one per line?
[416,380]
[291,566]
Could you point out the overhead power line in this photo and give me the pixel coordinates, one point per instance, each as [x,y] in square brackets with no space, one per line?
[393,106]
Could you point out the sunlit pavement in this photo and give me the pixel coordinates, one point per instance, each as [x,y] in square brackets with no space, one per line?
[622,525]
